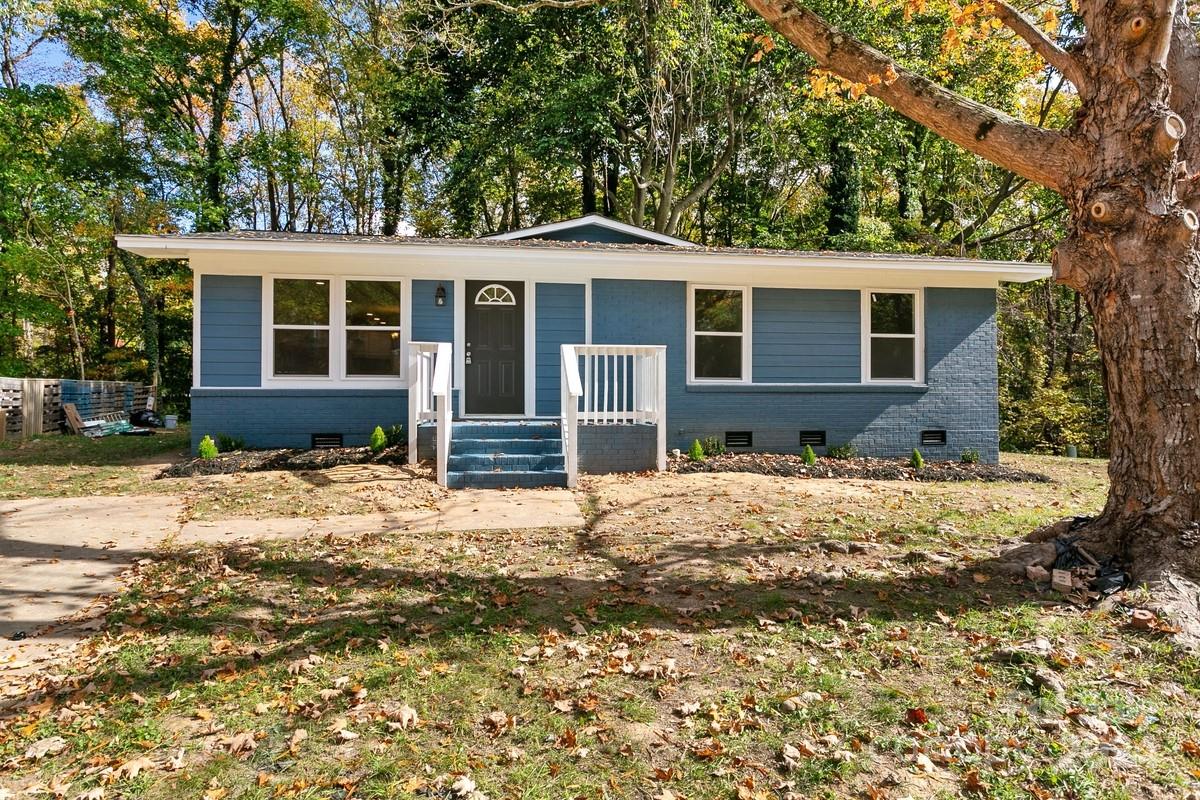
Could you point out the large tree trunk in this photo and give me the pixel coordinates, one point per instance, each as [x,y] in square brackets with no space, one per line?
[1123,170]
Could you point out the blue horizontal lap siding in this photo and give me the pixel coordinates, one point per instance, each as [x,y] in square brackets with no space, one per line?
[230,330]
[960,396]
[431,322]
[806,336]
[268,418]
[560,320]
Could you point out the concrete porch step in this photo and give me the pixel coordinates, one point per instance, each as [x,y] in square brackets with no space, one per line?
[517,479]
[505,462]
[475,446]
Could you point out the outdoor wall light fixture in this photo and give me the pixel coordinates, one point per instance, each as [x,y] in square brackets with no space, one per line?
[439,296]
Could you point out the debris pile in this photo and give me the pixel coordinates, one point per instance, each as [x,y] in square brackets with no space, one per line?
[1074,571]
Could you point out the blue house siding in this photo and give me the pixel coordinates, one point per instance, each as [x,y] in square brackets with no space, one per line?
[806,336]
[288,417]
[430,322]
[230,330]
[560,314]
[960,396]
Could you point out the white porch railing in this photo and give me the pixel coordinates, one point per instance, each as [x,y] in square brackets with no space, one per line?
[430,397]
[605,384]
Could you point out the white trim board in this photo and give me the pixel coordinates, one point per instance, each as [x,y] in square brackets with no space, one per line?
[600,221]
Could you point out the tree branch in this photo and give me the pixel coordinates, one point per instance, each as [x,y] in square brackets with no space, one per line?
[1042,44]
[523,8]
[1043,156]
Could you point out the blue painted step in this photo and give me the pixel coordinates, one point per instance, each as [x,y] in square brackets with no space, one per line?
[502,454]
[506,480]
[505,462]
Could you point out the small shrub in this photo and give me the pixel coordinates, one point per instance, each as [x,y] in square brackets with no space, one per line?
[395,436]
[378,440]
[917,461]
[207,448]
[713,446]
[808,455]
[841,451]
[970,456]
[228,444]
[696,452]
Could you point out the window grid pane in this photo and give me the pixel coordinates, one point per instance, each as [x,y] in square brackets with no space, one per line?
[893,358]
[718,310]
[892,312]
[300,301]
[371,304]
[718,357]
[302,352]
[373,353]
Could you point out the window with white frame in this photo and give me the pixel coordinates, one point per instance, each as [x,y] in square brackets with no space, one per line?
[374,347]
[718,333]
[892,334]
[300,327]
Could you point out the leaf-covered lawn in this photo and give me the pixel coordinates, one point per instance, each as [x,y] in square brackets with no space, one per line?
[704,636]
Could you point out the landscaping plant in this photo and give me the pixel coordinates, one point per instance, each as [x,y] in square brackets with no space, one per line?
[970,456]
[841,451]
[808,455]
[378,440]
[207,448]
[696,452]
[917,461]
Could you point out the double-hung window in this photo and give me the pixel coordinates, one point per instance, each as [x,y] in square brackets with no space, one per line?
[374,347]
[892,336]
[300,327]
[718,316]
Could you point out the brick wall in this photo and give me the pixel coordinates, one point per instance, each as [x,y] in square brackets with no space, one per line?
[617,448]
[288,417]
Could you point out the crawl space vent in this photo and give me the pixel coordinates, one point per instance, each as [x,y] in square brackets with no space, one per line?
[929,438]
[813,438]
[739,439]
[326,441]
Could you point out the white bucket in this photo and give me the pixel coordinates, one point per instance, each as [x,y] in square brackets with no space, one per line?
[171,421]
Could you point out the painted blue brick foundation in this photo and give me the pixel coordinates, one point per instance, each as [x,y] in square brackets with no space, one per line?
[960,396]
[617,448]
[288,417]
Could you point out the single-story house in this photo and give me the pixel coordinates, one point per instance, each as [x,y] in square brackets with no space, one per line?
[586,345]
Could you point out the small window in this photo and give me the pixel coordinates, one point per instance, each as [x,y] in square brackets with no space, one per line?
[739,439]
[892,352]
[718,343]
[932,438]
[373,343]
[495,294]
[300,327]
[812,438]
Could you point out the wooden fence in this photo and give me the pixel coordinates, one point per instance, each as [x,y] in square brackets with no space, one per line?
[34,405]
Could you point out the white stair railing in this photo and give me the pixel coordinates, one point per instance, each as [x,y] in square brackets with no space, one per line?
[431,398]
[618,385]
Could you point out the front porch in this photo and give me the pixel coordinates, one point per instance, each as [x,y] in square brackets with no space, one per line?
[613,419]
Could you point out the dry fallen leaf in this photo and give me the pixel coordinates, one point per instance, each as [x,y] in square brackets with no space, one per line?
[464,786]
[50,746]
[131,769]
[242,744]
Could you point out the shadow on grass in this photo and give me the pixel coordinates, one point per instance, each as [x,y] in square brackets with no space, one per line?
[55,449]
[685,586]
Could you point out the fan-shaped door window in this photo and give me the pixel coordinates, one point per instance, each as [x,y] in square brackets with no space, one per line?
[495,294]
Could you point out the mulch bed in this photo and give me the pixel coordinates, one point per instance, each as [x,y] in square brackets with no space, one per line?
[876,469]
[291,460]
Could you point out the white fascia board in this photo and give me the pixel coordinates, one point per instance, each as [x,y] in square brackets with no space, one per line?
[437,261]
[591,219]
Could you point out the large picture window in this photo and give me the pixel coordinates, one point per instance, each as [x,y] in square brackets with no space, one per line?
[373,341]
[300,327]
[892,336]
[718,334]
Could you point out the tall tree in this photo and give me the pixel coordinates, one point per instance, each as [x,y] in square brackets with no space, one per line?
[1131,251]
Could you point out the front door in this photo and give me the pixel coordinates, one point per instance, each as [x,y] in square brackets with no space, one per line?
[495,351]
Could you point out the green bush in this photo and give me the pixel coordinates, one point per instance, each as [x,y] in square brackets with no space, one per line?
[841,451]
[713,446]
[917,461]
[208,448]
[228,444]
[696,453]
[970,456]
[378,440]
[395,436]
[808,455]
